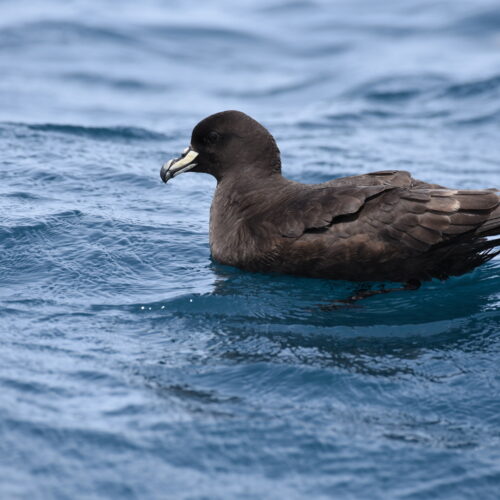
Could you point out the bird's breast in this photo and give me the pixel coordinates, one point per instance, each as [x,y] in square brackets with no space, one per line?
[237,239]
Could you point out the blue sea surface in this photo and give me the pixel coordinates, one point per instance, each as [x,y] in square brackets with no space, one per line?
[132,366]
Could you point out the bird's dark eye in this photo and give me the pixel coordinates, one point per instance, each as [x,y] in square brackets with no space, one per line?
[212,137]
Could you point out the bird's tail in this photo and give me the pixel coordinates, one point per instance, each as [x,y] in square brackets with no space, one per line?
[492,225]
[470,249]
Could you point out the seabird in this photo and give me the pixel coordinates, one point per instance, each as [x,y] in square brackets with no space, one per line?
[382,226]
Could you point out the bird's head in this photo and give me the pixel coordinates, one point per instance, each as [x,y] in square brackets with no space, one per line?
[227,143]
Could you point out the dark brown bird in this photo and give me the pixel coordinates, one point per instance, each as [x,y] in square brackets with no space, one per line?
[383,226]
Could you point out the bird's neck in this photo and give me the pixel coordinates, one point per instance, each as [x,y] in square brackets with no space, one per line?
[237,206]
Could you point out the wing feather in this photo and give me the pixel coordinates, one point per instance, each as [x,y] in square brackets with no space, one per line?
[409,215]
[430,216]
[316,209]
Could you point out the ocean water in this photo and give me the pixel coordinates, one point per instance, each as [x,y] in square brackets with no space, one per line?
[132,366]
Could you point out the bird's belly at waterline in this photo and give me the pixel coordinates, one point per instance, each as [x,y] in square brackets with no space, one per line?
[315,257]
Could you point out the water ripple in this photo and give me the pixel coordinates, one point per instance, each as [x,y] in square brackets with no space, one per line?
[132,365]
[100,133]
